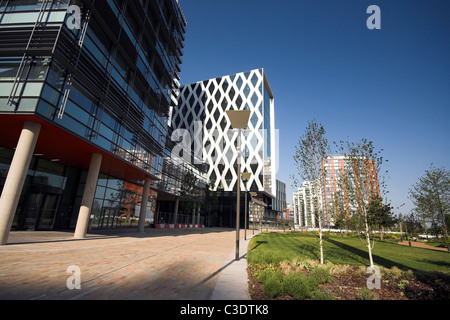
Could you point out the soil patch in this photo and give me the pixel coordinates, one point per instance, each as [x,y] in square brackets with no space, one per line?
[348,286]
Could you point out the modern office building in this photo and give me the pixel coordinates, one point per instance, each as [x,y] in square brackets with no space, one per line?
[201,115]
[85,92]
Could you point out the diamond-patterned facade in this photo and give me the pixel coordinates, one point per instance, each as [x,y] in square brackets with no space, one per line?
[207,102]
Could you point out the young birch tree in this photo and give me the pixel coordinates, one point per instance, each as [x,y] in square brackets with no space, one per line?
[309,158]
[361,183]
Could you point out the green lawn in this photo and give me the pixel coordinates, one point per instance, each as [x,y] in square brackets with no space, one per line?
[276,247]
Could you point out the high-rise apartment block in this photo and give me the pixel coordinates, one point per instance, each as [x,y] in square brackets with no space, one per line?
[337,165]
[307,204]
[308,201]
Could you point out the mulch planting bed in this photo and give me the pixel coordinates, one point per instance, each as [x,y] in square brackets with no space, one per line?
[349,285]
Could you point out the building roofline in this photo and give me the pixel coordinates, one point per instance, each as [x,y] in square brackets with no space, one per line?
[266,84]
[233,74]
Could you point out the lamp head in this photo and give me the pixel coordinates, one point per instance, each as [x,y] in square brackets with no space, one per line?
[239,118]
[246,175]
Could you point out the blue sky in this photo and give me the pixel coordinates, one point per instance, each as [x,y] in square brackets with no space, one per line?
[391,86]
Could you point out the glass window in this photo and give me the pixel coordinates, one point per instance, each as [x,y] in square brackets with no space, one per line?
[3,104]
[56,75]
[45,109]
[114,183]
[57,16]
[6,87]
[60,4]
[106,132]
[267,130]
[95,32]
[8,68]
[102,179]
[113,195]
[33,89]
[121,65]
[102,142]
[96,53]
[82,97]
[50,174]
[51,95]
[28,5]
[100,192]
[78,113]
[73,125]
[109,119]
[19,17]
[27,105]
[119,79]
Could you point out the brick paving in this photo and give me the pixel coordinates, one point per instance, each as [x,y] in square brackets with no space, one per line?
[162,264]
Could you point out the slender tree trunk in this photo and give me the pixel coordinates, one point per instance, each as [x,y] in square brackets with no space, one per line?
[320,241]
[444,225]
[368,240]
[381,233]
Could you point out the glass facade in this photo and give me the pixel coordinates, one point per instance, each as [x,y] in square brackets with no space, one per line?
[207,102]
[53,191]
[108,82]
[120,117]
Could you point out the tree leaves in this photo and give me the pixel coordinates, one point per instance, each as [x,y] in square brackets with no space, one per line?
[431,196]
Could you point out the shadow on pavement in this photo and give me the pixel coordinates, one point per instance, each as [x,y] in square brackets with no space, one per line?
[34,237]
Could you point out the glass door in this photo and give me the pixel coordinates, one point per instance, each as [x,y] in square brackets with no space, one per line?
[41,211]
[32,211]
[48,212]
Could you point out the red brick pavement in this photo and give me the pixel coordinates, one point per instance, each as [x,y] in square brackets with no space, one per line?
[162,264]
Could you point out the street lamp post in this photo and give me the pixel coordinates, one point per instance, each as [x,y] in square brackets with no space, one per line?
[253,194]
[246,176]
[239,121]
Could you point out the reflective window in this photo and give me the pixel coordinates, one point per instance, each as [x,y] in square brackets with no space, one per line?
[31,17]
[27,105]
[76,112]
[56,75]
[33,89]
[51,95]
[50,174]
[73,125]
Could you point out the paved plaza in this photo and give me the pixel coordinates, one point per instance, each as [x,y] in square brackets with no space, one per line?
[161,264]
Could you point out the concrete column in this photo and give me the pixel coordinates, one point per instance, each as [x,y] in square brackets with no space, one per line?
[198,214]
[88,196]
[16,177]
[177,204]
[144,205]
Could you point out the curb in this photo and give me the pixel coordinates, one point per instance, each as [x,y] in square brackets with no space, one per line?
[232,283]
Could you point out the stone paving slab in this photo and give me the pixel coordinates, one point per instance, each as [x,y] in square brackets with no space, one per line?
[161,264]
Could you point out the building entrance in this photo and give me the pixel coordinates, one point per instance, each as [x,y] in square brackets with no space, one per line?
[40,210]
